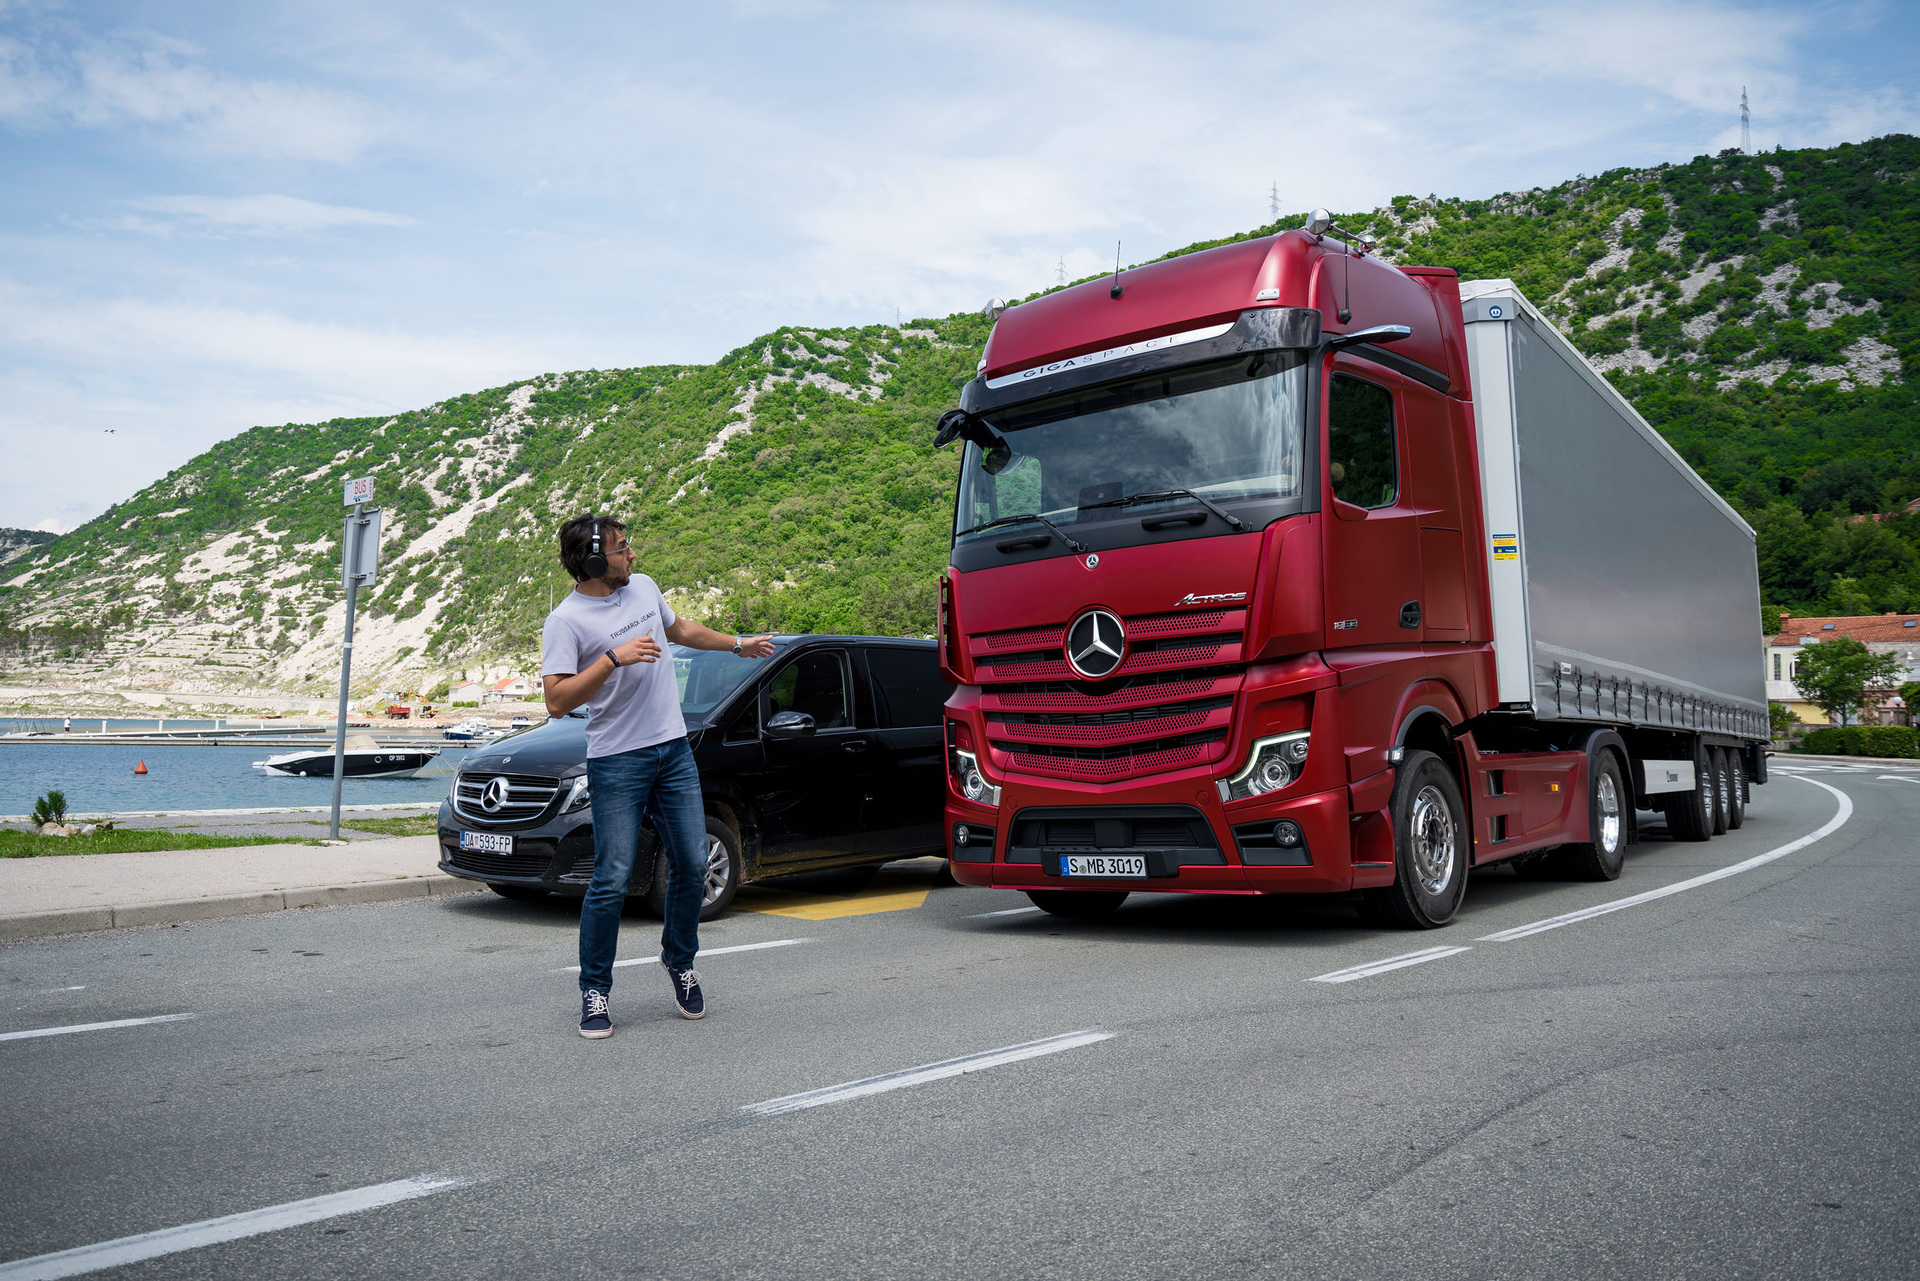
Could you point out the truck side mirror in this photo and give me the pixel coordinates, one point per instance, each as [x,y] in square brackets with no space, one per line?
[790,725]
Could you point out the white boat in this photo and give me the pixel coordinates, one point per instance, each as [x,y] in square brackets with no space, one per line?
[365,758]
[466,731]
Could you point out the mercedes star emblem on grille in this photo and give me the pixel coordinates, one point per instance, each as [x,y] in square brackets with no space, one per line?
[1095,643]
[494,796]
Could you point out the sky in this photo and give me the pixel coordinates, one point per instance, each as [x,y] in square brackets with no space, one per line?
[218,215]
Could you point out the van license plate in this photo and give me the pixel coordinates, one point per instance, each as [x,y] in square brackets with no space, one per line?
[1103,865]
[488,841]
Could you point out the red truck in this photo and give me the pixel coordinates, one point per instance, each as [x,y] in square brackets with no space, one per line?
[1279,568]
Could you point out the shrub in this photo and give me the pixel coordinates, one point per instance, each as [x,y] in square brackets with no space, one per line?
[1863,740]
[51,808]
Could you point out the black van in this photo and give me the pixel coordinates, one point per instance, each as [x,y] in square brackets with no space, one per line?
[826,754]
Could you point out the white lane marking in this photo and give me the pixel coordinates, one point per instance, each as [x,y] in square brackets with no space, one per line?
[1005,911]
[1371,968]
[232,1227]
[1900,778]
[1832,825]
[922,1075]
[706,951]
[92,1027]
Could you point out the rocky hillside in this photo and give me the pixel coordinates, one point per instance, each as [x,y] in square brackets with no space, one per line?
[1761,310]
[15,543]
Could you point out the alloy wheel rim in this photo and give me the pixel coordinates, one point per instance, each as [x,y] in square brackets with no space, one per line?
[1432,840]
[718,867]
[1609,799]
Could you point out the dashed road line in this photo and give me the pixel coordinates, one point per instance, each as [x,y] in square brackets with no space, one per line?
[703,952]
[232,1227]
[92,1027]
[1371,968]
[1831,826]
[927,1073]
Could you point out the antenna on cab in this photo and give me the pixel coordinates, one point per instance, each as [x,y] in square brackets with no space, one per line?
[1118,288]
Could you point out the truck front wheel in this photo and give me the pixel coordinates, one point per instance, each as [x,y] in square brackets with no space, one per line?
[1606,847]
[1085,904]
[1430,847]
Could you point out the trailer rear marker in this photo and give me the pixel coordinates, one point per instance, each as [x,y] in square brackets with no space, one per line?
[232,1227]
[1832,825]
[703,952]
[923,1075]
[92,1027]
[1370,968]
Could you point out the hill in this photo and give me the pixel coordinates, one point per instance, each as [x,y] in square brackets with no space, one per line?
[1761,311]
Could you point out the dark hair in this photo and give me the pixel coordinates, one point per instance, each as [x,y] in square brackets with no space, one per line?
[576,540]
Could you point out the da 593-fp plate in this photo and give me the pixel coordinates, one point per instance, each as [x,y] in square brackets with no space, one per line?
[491,842]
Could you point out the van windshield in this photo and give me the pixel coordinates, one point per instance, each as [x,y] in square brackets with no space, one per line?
[1230,431]
[707,676]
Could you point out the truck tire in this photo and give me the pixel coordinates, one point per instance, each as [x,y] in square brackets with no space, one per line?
[1600,857]
[1722,784]
[1736,791]
[1430,847]
[722,873]
[1690,814]
[1079,904]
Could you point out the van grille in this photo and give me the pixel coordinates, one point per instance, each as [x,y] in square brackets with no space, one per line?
[526,799]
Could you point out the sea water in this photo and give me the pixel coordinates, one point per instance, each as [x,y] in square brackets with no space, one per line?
[183,777]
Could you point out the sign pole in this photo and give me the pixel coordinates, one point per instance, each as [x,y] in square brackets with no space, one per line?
[359,562]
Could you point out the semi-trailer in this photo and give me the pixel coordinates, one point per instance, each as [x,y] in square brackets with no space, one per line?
[1279,568]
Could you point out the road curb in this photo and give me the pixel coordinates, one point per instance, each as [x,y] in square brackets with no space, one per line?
[26,925]
[1907,762]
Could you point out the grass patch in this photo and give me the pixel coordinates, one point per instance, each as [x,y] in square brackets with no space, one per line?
[405,825]
[17,844]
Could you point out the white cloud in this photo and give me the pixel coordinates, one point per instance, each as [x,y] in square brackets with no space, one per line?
[261,215]
[51,525]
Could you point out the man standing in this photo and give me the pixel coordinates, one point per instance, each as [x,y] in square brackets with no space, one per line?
[600,647]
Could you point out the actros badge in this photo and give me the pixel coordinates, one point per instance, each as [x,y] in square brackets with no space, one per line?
[1218,598]
[1095,644]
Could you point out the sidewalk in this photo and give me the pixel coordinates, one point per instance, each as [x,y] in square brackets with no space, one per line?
[62,894]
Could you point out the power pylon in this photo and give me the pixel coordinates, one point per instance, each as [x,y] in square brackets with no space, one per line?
[1746,125]
[1273,203]
[1060,272]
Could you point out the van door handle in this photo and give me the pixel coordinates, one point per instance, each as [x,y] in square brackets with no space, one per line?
[854,745]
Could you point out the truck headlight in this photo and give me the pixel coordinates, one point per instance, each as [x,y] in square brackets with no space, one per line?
[579,797]
[1271,765]
[969,781]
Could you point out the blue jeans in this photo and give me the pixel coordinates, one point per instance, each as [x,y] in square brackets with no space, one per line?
[663,779]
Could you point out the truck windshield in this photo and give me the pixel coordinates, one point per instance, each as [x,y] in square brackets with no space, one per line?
[1228,431]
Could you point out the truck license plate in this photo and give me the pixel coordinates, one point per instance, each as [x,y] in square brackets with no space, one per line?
[488,841]
[1103,865]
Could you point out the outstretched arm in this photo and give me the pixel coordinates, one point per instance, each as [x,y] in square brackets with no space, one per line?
[698,636]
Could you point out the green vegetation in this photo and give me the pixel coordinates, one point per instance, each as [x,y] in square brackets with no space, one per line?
[17,844]
[404,825]
[1759,310]
[1835,675]
[50,808]
[1862,740]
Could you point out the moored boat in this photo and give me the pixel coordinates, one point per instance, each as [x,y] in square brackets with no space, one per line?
[365,758]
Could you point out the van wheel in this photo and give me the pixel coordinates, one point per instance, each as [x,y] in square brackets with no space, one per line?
[1080,904]
[518,893]
[1430,847]
[722,875]
[1606,847]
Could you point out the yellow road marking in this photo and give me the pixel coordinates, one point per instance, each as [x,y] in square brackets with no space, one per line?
[889,891]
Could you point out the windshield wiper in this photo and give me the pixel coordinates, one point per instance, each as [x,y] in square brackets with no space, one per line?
[1021,520]
[1232,520]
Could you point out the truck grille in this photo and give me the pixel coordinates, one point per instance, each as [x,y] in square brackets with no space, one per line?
[1111,730]
[1155,643]
[1103,764]
[526,799]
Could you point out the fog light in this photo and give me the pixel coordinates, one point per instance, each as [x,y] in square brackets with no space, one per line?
[961,835]
[1286,833]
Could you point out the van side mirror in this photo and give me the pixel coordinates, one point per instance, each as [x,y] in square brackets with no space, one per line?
[790,725]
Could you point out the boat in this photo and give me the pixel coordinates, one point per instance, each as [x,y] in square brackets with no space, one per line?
[365,758]
[466,731]
[519,722]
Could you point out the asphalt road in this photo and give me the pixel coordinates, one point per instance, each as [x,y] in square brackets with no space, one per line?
[1717,1082]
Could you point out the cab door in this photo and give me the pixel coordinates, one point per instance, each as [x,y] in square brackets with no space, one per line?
[1373,532]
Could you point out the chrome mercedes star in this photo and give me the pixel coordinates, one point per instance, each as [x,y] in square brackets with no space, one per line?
[1095,643]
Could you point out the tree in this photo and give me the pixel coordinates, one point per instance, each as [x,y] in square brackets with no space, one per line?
[1910,695]
[1780,720]
[1835,675]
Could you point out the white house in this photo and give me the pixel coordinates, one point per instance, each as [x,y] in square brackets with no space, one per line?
[1881,633]
[468,693]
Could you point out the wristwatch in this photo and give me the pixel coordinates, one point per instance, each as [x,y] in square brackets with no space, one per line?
[612,659]
[736,644]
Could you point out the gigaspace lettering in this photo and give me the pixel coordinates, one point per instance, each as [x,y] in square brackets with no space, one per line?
[1141,347]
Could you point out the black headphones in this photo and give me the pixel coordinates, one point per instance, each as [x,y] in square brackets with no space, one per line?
[595,564]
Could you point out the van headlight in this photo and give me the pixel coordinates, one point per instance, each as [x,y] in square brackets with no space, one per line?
[969,781]
[579,797]
[453,788]
[1271,765]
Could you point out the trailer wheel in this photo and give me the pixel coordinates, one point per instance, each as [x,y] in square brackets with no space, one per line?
[1606,847]
[1736,791]
[1690,814]
[1723,786]
[1080,904]
[1430,847]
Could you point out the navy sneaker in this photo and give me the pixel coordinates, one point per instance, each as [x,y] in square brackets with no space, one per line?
[686,992]
[596,1023]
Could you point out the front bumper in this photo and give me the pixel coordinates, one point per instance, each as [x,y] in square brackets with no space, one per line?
[1321,863]
[555,855]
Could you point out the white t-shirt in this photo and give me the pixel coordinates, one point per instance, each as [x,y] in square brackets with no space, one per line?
[639,705]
